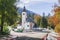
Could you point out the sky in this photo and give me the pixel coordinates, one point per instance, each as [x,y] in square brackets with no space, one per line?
[38,6]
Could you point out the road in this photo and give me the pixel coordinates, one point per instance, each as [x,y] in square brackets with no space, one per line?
[38,35]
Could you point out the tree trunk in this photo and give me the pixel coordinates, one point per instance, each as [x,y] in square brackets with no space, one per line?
[2,22]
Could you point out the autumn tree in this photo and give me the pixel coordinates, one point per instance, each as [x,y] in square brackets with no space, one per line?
[57,28]
[37,19]
[56,16]
[50,22]
[55,21]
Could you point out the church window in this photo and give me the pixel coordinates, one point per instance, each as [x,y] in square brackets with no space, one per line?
[27,25]
[23,13]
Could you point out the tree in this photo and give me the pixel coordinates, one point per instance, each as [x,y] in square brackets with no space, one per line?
[37,20]
[56,17]
[8,12]
[55,20]
[44,23]
[57,28]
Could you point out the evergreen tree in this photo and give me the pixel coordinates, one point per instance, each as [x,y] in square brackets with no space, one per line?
[44,21]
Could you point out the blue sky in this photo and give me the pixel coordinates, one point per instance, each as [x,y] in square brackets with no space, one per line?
[38,6]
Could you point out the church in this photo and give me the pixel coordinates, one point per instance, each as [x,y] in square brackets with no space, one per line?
[27,22]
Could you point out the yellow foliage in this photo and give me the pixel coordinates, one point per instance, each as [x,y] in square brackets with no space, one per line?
[57,28]
[57,12]
[56,17]
[50,20]
[36,18]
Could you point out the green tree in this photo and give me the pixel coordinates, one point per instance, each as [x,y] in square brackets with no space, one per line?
[8,12]
[44,23]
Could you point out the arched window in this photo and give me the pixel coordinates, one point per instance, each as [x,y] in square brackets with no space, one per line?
[23,13]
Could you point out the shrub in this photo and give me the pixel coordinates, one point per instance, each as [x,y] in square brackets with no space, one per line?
[5,31]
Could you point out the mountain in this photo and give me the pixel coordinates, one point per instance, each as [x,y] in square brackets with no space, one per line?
[29,13]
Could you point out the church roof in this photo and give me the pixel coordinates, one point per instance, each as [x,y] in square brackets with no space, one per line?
[29,20]
[24,9]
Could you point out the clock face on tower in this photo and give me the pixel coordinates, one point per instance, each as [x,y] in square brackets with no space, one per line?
[23,13]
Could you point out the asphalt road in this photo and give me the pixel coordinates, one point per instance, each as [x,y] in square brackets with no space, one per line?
[26,38]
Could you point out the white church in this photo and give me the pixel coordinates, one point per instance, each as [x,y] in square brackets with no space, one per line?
[27,22]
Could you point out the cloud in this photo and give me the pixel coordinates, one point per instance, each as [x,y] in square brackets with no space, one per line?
[49,1]
[36,5]
[21,3]
[25,1]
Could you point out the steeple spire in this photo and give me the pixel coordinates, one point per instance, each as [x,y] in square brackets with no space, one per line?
[24,9]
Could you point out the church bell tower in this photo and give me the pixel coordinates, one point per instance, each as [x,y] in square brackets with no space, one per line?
[24,16]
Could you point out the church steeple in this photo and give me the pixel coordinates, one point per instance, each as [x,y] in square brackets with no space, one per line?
[24,16]
[24,9]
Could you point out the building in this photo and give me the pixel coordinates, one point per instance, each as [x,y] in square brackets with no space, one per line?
[27,23]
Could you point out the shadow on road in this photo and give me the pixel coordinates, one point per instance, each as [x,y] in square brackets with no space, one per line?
[27,38]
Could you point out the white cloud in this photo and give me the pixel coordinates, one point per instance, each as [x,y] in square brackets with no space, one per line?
[20,5]
[25,2]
